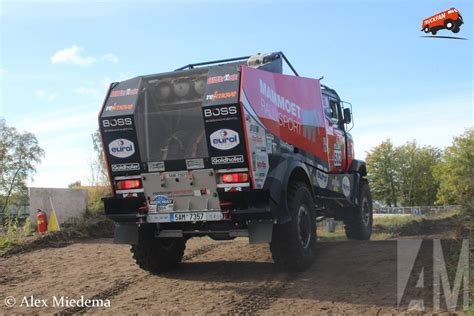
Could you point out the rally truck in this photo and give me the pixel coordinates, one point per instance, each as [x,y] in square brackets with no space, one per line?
[230,148]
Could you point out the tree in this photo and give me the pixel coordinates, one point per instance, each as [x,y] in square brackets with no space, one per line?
[382,165]
[456,172]
[19,153]
[99,176]
[417,183]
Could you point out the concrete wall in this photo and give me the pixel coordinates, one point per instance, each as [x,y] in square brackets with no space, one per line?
[68,203]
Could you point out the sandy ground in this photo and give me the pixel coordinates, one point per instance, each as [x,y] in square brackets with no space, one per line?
[230,277]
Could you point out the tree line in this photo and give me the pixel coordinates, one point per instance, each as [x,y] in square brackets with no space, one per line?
[412,175]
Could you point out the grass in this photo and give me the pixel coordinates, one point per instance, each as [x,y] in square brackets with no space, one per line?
[91,225]
[387,227]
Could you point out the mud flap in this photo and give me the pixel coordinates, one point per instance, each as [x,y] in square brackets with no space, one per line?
[126,233]
[260,231]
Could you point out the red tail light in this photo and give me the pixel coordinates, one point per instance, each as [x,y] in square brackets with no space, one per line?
[129,184]
[234,177]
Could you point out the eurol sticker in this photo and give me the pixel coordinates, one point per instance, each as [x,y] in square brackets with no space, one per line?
[224,139]
[121,148]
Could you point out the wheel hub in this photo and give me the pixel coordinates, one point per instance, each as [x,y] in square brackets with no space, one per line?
[304,226]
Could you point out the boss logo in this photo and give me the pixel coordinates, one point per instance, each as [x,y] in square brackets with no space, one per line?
[117,122]
[223,111]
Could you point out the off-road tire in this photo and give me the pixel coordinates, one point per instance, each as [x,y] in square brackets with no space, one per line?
[359,224]
[456,29]
[293,244]
[426,29]
[157,255]
[434,32]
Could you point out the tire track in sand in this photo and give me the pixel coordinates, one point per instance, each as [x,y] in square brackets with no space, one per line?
[121,286]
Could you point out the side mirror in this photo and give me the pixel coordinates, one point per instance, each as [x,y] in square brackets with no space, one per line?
[347,116]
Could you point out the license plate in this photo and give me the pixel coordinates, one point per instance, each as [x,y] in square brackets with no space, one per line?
[184,217]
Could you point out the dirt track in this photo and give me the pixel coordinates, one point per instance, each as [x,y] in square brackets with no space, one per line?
[215,277]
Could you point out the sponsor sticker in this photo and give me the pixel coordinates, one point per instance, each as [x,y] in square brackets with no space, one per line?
[155,166]
[221,113]
[224,139]
[117,124]
[121,148]
[194,163]
[125,167]
[163,203]
[337,155]
[119,107]
[221,95]
[122,93]
[346,186]
[219,79]
[322,178]
[227,160]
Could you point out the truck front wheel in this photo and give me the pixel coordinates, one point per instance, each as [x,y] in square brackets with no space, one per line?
[359,225]
[293,244]
[157,255]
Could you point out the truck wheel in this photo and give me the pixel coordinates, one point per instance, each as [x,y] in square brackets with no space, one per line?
[426,29]
[456,29]
[449,24]
[157,255]
[293,244]
[359,226]
[434,32]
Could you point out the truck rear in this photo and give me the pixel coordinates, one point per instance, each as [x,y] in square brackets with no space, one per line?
[230,150]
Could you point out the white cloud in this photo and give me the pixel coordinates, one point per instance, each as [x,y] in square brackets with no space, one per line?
[86,91]
[110,58]
[73,55]
[43,95]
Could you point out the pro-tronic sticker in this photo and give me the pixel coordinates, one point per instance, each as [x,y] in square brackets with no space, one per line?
[224,139]
[121,148]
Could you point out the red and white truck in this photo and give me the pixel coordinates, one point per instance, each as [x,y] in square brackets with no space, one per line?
[226,149]
[450,19]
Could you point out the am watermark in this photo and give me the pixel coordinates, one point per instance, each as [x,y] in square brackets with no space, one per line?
[423,276]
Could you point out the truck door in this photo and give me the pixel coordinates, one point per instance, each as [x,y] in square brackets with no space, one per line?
[336,147]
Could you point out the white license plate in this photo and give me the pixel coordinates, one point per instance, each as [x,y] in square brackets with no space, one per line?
[184,217]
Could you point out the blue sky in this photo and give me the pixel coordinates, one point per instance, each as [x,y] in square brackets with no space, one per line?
[57,58]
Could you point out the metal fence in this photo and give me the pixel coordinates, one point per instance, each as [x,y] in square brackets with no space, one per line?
[415,210]
[19,212]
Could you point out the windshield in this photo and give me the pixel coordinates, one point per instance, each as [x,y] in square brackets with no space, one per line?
[169,118]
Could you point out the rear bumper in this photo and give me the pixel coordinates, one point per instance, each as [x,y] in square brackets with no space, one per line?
[128,209]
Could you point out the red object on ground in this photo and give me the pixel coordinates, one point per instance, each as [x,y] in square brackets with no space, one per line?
[42,222]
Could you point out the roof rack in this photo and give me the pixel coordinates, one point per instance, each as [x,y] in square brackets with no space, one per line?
[271,56]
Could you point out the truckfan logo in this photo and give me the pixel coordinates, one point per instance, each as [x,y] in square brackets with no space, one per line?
[224,139]
[450,20]
[121,148]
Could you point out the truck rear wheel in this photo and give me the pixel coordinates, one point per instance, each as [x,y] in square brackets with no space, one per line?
[359,226]
[293,244]
[157,255]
